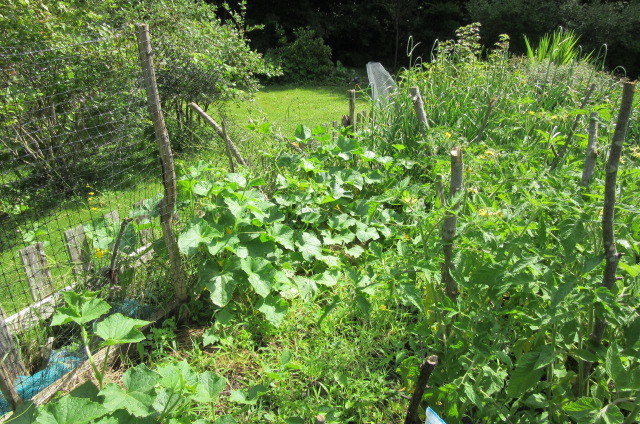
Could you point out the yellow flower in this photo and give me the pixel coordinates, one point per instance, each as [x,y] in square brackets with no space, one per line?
[490,152]
[384,308]
[89,198]
[473,190]
[100,253]
[447,134]
[531,112]
[554,117]
[406,237]
[91,193]
[94,209]
[296,144]
[483,212]
[88,186]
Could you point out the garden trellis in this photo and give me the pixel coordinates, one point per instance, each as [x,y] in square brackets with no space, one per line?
[81,182]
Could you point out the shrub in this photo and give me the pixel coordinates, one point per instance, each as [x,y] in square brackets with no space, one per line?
[306,58]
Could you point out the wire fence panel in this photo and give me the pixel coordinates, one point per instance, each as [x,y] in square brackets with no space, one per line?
[77,159]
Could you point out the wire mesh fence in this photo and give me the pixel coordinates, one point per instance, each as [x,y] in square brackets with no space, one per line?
[80,181]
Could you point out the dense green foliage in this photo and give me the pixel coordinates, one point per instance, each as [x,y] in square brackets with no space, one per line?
[304,59]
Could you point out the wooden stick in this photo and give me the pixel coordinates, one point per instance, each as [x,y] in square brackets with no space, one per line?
[168,204]
[421,384]
[612,257]
[113,270]
[218,129]
[483,125]
[563,150]
[418,107]
[450,221]
[592,151]
[352,109]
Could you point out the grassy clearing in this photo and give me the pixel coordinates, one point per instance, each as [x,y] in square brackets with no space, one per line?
[287,106]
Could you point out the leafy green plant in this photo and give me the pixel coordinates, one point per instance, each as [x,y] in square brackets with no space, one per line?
[560,48]
[116,329]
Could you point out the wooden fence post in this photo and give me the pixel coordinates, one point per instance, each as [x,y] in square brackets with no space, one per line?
[38,275]
[11,364]
[352,109]
[592,151]
[450,221]
[79,254]
[168,204]
[418,107]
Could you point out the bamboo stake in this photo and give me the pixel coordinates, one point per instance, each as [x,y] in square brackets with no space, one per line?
[612,257]
[592,150]
[418,106]
[168,204]
[563,150]
[218,129]
[487,114]
[450,221]
[421,384]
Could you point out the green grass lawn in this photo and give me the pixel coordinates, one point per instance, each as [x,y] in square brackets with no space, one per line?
[287,106]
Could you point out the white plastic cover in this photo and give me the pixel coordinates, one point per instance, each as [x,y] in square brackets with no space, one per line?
[381,81]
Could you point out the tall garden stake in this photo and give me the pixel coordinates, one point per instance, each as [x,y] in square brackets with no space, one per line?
[421,384]
[592,150]
[168,204]
[418,107]
[612,257]
[450,221]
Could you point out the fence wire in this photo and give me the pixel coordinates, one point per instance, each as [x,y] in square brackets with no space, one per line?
[77,157]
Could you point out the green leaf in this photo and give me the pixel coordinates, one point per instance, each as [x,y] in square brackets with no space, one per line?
[221,285]
[199,231]
[283,234]
[590,411]
[365,232]
[136,403]
[591,263]
[209,387]
[329,278]
[363,304]
[118,329]
[306,286]
[528,370]
[355,251]
[632,270]
[274,309]
[249,398]
[410,295]
[70,410]
[225,419]
[140,379]
[302,132]
[615,369]
[260,273]
[177,376]
[309,246]
[81,308]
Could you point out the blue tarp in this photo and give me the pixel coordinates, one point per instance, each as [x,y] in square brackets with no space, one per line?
[60,362]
